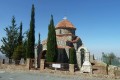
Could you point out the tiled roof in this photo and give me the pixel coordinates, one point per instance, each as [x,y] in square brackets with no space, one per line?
[63,39]
[75,40]
[65,24]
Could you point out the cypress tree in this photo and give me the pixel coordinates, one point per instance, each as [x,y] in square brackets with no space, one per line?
[72,58]
[20,35]
[31,35]
[18,52]
[39,45]
[52,51]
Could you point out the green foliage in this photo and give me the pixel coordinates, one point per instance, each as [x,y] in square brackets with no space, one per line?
[20,35]
[62,56]
[10,41]
[110,59]
[31,35]
[52,51]
[18,52]
[25,42]
[39,45]
[72,57]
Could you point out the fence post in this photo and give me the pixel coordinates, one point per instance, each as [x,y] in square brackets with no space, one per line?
[42,64]
[71,68]
[28,63]
[10,61]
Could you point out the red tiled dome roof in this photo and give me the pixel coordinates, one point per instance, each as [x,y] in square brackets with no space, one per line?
[65,24]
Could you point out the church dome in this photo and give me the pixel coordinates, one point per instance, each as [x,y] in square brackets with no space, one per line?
[65,24]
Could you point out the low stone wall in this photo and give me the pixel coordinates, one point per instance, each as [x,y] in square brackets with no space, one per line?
[117,72]
[7,66]
[100,68]
[23,65]
[13,67]
[114,71]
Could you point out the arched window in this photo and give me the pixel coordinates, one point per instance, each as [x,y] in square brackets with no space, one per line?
[82,55]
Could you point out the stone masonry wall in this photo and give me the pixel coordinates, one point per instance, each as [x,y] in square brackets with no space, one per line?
[13,67]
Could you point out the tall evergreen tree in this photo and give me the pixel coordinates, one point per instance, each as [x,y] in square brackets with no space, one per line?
[25,42]
[20,35]
[10,41]
[18,52]
[72,59]
[39,45]
[52,51]
[31,35]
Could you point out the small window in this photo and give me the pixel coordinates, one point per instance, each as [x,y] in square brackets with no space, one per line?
[60,31]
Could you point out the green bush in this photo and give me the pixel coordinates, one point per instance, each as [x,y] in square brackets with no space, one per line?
[18,53]
[72,57]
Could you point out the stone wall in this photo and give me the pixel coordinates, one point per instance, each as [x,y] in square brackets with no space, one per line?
[61,42]
[44,47]
[117,72]
[99,68]
[13,67]
[65,31]
[102,68]
[113,70]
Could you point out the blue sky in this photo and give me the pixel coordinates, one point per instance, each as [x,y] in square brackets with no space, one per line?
[97,21]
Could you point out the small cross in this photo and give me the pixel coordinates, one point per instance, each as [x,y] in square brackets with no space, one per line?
[65,18]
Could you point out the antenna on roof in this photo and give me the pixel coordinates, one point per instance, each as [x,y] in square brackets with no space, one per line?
[65,18]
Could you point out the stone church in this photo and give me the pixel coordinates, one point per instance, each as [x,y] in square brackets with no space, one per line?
[66,38]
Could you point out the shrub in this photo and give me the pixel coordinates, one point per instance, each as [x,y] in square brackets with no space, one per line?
[72,57]
[18,53]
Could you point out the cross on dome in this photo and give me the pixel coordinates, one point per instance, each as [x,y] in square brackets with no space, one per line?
[65,18]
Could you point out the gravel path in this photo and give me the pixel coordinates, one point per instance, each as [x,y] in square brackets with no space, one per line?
[41,76]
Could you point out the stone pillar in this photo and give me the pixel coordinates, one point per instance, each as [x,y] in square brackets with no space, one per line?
[79,59]
[91,58]
[42,64]
[71,68]
[10,61]
[28,63]
[22,61]
[111,70]
[36,55]
[87,67]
